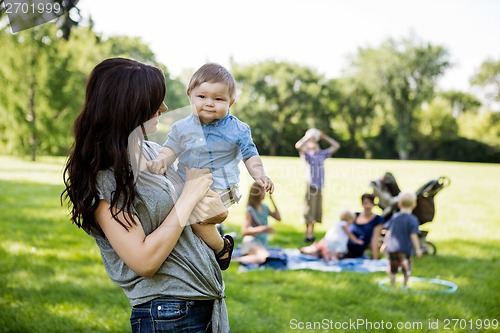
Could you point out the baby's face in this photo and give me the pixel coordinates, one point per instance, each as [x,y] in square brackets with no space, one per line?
[211,101]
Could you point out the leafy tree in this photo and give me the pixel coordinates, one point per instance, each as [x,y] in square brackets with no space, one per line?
[355,108]
[488,79]
[461,102]
[483,127]
[280,101]
[69,19]
[45,76]
[136,48]
[436,125]
[402,74]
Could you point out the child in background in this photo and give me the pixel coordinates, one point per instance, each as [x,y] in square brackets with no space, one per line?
[402,238]
[333,246]
[309,149]
[212,138]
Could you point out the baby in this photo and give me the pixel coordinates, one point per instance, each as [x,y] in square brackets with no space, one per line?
[212,138]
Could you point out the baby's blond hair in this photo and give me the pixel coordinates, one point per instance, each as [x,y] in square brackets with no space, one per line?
[347,215]
[407,199]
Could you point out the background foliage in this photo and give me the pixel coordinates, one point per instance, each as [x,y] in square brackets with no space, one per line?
[385,105]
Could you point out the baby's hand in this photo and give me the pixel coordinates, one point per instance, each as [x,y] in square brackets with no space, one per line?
[157,166]
[266,183]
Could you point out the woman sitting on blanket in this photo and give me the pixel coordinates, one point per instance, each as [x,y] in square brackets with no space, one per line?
[333,246]
[367,226]
[255,228]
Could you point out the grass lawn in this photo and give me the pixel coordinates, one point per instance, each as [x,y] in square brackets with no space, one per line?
[52,278]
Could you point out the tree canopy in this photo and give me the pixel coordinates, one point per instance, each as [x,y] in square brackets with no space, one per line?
[384,105]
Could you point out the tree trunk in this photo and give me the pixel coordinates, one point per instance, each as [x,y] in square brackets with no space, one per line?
[31,119]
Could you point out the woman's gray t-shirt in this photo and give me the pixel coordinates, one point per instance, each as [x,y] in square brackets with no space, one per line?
[190,271]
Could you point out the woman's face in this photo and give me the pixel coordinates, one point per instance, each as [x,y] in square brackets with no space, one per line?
[151,126]
[367,204]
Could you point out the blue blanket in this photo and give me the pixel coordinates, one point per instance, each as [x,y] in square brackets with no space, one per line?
[292,259]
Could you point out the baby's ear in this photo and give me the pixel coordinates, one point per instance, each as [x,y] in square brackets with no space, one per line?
[231,102]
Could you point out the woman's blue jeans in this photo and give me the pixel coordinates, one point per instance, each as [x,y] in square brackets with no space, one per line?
[163,315]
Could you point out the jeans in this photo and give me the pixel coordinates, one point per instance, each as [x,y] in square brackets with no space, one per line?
[172,315]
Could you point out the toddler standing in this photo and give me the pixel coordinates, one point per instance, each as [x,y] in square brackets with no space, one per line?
[402,238]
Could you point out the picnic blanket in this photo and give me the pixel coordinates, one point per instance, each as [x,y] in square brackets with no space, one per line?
[292,259]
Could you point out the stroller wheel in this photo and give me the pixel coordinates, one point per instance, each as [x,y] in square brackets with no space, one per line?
[429,248]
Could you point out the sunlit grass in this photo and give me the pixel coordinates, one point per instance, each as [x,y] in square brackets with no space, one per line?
[52,278]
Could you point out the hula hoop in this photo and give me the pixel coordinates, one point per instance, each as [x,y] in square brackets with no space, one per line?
[451,286]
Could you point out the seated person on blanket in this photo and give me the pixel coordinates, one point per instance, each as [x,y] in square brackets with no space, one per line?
[255,228]
[333,246]
[367,226]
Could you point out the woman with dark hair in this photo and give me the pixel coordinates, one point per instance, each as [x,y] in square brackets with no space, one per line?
[141,221]
[367,227]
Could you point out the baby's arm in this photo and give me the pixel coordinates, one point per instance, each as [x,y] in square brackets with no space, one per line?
[351,236]
[165,158]
[256,170]
[416,244]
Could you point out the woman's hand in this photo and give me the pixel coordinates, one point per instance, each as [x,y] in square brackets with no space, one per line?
[198,182]
[210,210]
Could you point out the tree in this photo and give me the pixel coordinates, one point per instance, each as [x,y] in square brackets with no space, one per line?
[136,48]
[461,102]
[483,127]
[44,79]
[69,19]
[402,74]
[28,60]
[487,78]
[280,101]
[354,106]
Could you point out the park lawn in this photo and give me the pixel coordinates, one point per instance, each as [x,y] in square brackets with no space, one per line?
[52,278]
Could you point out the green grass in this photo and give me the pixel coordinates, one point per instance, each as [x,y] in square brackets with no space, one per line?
[52,278]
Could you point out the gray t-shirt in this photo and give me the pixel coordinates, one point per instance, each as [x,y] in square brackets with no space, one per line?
[190,271]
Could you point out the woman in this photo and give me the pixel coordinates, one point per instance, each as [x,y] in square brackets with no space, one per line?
[367,227]
[147,244]
[255,228]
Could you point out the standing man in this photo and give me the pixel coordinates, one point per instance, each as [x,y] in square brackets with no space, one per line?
[309,149]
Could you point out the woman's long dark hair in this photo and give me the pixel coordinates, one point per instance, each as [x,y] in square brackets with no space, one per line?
[121,95]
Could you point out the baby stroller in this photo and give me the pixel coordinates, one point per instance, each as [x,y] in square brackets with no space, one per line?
[387,190]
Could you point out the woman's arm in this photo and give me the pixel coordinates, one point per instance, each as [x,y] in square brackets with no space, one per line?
[276,213]
[351,236]
[248,230]
[145,254]
[375,240]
